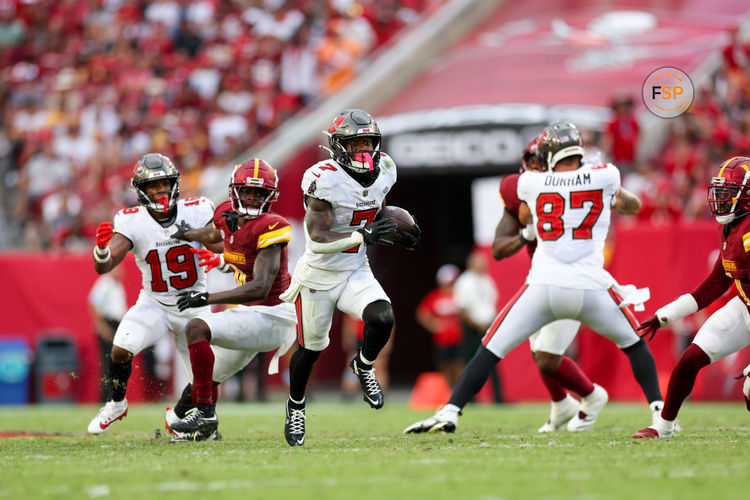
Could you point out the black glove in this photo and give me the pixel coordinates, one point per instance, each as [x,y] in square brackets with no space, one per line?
[374,232]
[179,233]
[409,240]
[233,219]
[191,299]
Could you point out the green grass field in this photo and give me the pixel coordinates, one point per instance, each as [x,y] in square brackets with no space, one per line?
[354,452]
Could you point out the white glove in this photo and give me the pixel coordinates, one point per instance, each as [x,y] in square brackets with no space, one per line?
[528,233]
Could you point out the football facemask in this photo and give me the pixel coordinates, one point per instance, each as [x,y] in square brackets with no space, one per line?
[263,181]
[348,125]
[153,167]
[729,191]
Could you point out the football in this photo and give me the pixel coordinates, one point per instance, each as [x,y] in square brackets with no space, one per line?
[404,220]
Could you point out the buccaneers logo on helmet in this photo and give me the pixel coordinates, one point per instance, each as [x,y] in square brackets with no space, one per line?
[729,192]
[254,187]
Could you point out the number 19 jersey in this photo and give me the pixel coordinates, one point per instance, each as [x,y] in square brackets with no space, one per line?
[166,264]
[571,216]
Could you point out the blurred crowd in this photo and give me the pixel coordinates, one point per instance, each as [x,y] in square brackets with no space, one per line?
[88,86]
[673,183]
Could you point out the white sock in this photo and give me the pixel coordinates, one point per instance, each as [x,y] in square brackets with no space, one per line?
[450,407]
[297,402]
[365,360]
[656,406]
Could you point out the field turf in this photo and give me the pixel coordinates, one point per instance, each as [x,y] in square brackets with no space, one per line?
[355,453]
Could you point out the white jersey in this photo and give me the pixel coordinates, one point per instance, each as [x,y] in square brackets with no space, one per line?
[354,206]
[167,265]
[571,216]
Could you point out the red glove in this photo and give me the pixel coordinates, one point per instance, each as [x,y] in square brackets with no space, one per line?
[208,259]
[104,233]
[648,328]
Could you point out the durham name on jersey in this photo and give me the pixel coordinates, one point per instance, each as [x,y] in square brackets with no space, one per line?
[167,265]
[571,216]
[353,205]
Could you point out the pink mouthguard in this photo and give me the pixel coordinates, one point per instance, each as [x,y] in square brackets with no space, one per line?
[365,158]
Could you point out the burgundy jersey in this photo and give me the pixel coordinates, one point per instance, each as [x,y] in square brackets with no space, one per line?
[241,247]
[509,197]
[734,256]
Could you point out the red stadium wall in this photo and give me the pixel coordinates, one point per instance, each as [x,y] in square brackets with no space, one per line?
[43,292]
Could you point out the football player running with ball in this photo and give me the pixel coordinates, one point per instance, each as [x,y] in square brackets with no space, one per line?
[255,249]
[342,197]
[569,204]
[167,266]
[726,331]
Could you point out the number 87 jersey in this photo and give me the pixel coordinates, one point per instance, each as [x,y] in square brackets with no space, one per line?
[571,211]
[166,264]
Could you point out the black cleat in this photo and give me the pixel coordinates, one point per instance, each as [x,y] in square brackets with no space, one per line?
[371,390]
[197,424]
[197,436]
[294,427]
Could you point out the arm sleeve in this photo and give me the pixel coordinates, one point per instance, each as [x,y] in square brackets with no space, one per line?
[715,284]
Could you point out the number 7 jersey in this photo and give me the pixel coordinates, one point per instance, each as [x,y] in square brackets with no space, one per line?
[166,264]
[571,216]
[353,206]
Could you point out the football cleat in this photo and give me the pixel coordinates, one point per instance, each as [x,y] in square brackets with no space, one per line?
[109,413]
[294,427]
[660,429]
[656,408]
[371,390]
[197,424]
[591,405]
[198,436]
[560,413]
[746,386]
[444,420]
[170,418]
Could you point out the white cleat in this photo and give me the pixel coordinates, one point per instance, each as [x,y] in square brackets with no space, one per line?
[444,420]
[108,414]
[659,430]
[560,413]
[591,405]
[170,419]
[656,408]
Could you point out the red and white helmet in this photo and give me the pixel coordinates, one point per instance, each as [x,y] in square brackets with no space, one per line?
[529,160]
[257,174]
[729,192]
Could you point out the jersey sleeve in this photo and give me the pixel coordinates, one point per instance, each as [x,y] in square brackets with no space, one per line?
[121,222]
[315,184]
[522,188]
[388,165]
[275,231]
[614,181]
[207,210]
[219,219]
